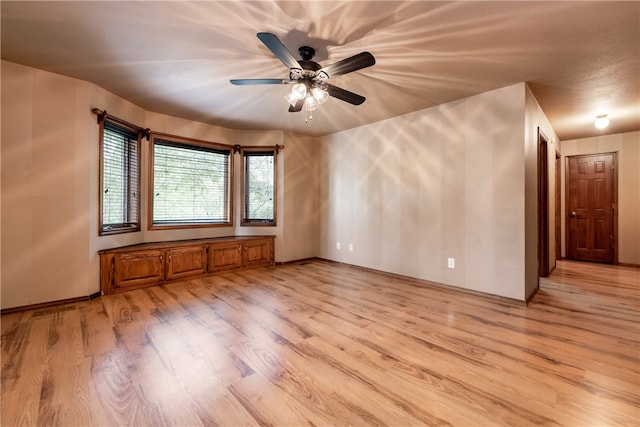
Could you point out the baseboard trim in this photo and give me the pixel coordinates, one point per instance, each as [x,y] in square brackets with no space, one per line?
[297,261]
[424,282]
[626,264]
[49,304]
[621,264]
[533,294]
[302,261]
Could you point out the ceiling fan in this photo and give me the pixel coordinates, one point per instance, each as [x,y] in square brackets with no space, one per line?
[309,79]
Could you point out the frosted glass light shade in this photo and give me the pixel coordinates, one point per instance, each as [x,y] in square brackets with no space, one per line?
[299,90]
[311,103]
[320,95]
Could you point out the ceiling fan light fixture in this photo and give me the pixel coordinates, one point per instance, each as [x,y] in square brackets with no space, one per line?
[299,91]
[311,103]
[308,78]
[291,99]
[601,122]
[320,95]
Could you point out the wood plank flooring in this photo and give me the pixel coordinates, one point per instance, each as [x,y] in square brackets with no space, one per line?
[319,343]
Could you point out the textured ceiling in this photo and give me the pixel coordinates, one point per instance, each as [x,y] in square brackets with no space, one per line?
[176,58]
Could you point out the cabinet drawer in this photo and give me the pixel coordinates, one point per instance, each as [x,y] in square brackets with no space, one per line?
[138,268]
[185,262]
[225,256]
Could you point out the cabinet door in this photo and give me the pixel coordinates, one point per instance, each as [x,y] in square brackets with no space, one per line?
[138,268]
[225,256]
[185,262]
[258,252]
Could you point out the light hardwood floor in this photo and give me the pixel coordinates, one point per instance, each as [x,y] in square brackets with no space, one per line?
[320,343]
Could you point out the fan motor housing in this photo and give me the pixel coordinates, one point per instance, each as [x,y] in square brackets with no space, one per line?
[309,65]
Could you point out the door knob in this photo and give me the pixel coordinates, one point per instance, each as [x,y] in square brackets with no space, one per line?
[573,213]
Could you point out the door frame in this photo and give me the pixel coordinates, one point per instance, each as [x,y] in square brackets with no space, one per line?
[615,201]
[558,210]
[543,204]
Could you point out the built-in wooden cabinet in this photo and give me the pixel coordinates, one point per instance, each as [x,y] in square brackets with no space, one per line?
[225,256]
[150,264]
[138,268]
[186,262]
[257,252]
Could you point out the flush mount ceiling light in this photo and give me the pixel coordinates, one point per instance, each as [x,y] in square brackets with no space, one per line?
[602,121]
[309,79]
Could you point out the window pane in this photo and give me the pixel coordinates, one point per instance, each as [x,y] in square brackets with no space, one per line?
[190,184]
[120,179]
[259,195]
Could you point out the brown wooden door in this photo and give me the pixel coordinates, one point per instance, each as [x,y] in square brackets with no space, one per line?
[590,207]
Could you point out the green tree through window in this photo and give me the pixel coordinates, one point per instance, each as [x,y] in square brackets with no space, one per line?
[259,206]
[190,184]
[120,179]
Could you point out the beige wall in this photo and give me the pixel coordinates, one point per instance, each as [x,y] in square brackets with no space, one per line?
[406,193]
[449,181]
[536,121]
[49,185]
[45,186]
[627,145]
[299,197]
[296,225]
[270,138]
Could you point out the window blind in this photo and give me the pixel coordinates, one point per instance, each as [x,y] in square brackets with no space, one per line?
[120,178]
[190,184]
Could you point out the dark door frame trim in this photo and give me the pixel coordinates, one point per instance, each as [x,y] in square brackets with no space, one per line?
[558,202]
[543,204]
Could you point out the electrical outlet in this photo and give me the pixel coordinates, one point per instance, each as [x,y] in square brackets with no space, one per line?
[451,262]
[338,245]
[350,247]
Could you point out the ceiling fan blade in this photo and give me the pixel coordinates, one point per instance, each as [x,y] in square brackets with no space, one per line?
[279,49]
[348,65]
[297,107]
[345,95]
[243,82]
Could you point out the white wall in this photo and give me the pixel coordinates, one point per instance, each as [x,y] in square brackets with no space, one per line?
[627,145]
[412,191]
